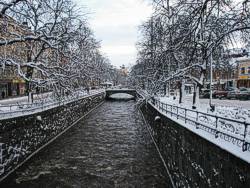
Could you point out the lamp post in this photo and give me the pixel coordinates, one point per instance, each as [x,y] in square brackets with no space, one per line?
[211,82]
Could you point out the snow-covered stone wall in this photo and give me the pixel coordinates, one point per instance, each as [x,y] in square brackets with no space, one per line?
[21,137]
[193,161]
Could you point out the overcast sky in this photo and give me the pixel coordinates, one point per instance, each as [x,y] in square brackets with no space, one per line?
[115,23]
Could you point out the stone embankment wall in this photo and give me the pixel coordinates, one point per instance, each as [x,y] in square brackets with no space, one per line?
[193,161]
[21,137]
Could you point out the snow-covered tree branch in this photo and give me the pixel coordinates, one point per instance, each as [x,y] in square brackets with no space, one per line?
[178,40]
[49,43]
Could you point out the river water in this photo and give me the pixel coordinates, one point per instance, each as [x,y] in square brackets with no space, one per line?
[109,148]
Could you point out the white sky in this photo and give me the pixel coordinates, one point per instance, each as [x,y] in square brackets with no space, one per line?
[115,24]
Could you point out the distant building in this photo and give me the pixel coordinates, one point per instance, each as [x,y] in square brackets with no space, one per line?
[123,74]
[107,84]
[10,83]
[243,72]
[230,73]
[124,70]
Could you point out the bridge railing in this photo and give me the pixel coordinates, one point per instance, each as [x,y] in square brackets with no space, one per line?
[120,89]
[235,131]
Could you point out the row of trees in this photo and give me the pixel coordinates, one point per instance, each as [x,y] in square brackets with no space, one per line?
[183,37]
[49,44]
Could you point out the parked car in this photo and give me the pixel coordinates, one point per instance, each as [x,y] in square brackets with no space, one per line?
[220,94]
[205,93]
[244,94]
[223,93]
[232,88]
[233,94]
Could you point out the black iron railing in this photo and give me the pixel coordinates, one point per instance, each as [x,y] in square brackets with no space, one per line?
[13,110]
[235,131]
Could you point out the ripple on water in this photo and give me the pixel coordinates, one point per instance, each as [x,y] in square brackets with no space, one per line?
[109,148]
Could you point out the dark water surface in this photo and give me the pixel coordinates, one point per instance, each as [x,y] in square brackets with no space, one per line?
[109,148]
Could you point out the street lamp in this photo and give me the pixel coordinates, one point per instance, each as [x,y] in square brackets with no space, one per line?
[211,82]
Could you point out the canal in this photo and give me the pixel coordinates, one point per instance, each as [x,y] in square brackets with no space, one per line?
[111,147]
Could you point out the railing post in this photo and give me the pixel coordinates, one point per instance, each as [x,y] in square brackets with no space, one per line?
[171,110]
[197,118]
[185,115]
[244,145]
[216,126]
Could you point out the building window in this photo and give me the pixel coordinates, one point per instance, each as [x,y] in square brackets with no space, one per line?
[248,70]
[242,70]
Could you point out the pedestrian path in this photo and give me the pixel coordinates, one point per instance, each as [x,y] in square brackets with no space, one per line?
[22,99]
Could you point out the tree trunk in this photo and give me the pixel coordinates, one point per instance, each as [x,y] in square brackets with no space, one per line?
[28,83]
[165,89]
[180,89]
[168,89]
[194,97]
[197,95]
[183,89]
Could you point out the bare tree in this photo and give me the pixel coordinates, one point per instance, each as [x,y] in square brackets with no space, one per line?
[180,38]
[54,45]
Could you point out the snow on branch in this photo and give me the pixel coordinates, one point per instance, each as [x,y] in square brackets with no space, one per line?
[49,43]
[6,6]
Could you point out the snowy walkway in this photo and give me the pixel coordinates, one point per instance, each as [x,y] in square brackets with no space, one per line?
[228,128]
[224,102]
[24,99]
[19,107]
[233,109]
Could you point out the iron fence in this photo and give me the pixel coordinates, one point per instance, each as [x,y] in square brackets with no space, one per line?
[21,109]
[232,130]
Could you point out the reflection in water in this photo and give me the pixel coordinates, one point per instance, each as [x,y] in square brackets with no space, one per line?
[110,148]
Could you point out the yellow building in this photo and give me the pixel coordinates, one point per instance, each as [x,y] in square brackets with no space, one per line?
[244,72]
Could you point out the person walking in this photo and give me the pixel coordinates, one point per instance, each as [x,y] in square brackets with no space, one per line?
[88,88]
[3,94]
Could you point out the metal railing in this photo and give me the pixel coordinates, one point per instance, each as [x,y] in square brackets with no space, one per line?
[21,109]
[231,130]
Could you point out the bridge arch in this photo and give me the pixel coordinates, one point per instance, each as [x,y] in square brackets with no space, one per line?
[110,92]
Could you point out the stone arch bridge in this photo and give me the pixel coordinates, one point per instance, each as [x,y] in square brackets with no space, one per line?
[110,92]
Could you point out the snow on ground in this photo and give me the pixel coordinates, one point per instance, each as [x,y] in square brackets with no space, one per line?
[24,99]
[224,127]
[19,107]
[233,109]
[230,103]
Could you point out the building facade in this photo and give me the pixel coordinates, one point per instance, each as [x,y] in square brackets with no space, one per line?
[10,82]
[244,73]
